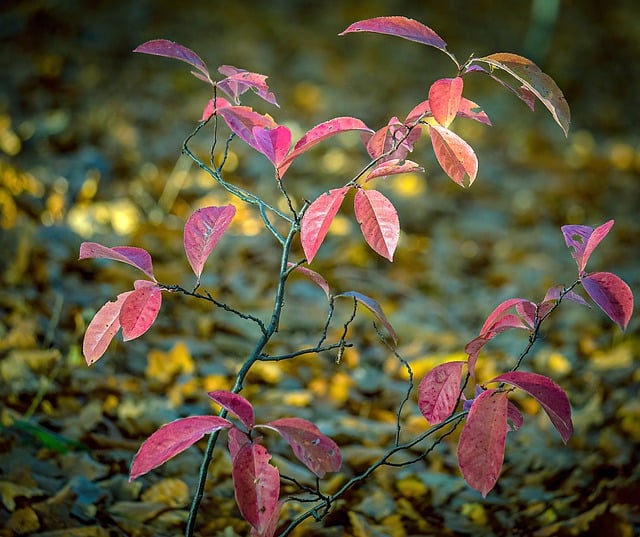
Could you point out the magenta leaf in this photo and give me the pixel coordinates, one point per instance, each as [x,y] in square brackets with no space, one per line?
[439,391]
[257,486]
[582,240]
[319,133]
[470,110]
[169,49]
[473,349]
[140,309]
[444,99]
[455,156]
[314,277]
[374,308]
[237,439]
[611,294]
[316,451]
[213,106]
[514,417]
[500,311]
[171,439]
[236,405]
[401,27]
[273,143]
[534,81]
[242,120]
[551,397]
[394,167]
[317,219]
[378,221]
[102,328]
[482,441]
[239,81]
[136,257]
[202,231]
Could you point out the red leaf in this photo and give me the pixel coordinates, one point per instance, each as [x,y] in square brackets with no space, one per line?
[551,397]
[236,404]
[439,390]
[401,27]
[314,277]
[394,167]
[374,308]
[582,240]
[102,328]
[236,440]
[317,219]
[473,349]
[611,294]
[273,143]
[239,81]
[378,221]
[482,441]
[319,133]
[202,231]
[534,81]
[136,257]
[169,49]
[455,156]
[316,451]
[139,310]
[171,439]
[444,99]
[514,417]
[500,311]
[257,486]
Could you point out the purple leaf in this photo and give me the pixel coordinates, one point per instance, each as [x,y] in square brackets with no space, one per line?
[378,221]
[102,328]
[242,120]
[140,309]
[314,277]
[611,294]
[239,81]
[136,257]
[257,486]
[455,156]
[316,451]
[317,219]
[273,143]
[394,167]
[444,99]
[374,308]
[482,441]
[551,397]
[169,49]
[500,311]
[202,231]
[439,390]
[213,106]
[582,240]
[171,439]
[236,405]
[401,27]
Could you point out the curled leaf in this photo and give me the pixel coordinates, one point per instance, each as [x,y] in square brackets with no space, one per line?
[136,257]
[611,294]
[374,308]
[401,27]
[170,49]
[236,405]
[582,241]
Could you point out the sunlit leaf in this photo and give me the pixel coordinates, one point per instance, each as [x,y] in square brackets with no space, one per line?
[102,328]
[213,106]
[378,221]
[315,450]
[393,141]
[401,27]
[582,241]
[455,156]
[611,294]
[394,167]
[317,219]
[439,391]
[470,110]
[170,49]
[444,99]
[482,441]
[202,231]
[551,397]
[236,405]
[136,257]
[139,310]
[374,308]
[171,439]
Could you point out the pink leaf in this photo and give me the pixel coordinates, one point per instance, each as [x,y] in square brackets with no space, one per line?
[482,441]
[171,439]
[314,277]
[473,349]
[611,294]
[242,120]
[236,404]
[102,328]
[470,110]
[392,142]
[202,231]
[419,111]
[455,156]
[500,311]
[378,221]
[136,257]
[319,133]
[273,143]
[239,81]
[394,167]
[401,27]
[213,106]
[439,390]
[316,451]
[553,294]
[444,98]
[317,219]
[169,49]
[139,311]
[374,308]
[257,486]
[551,397]
[534,81]
[514,417]
[582,240]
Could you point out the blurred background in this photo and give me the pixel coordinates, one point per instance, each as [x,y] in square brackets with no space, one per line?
[90,142]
